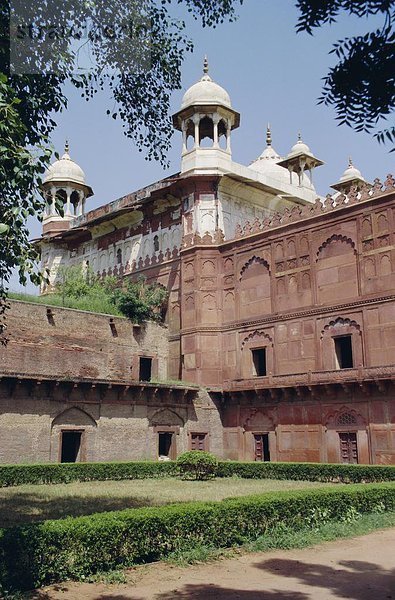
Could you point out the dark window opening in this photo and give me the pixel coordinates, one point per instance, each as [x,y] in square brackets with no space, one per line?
[165,442]
[262,451]
[348,447]
[119,256]
[156,243]
[343,352]
[198,441]
[145,368]
[259,361]
[71,446]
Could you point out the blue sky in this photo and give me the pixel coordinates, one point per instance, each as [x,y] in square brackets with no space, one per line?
[271,73]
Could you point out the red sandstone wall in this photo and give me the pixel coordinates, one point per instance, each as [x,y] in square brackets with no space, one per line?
[291,290]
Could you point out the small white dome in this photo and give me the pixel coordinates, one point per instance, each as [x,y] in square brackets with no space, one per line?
[206,92]
[351,173]
[65,170]
[299,148]
[266,164]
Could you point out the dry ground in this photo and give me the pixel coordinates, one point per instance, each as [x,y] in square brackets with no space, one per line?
[27,503]
[359,569]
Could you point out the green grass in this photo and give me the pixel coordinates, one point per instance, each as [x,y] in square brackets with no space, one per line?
[95,304]
[286,538]
[27,503]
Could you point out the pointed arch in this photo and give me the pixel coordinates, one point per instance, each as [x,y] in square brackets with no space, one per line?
[74,416]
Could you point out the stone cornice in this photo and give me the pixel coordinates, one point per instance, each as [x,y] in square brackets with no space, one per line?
[286,316]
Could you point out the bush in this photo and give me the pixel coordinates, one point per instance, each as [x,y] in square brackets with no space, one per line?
[75,548]
[65,473]
[197,465]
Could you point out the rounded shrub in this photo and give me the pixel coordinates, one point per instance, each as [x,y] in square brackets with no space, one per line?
[197,465]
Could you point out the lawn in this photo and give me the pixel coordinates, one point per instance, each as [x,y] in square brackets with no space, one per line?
[27,503]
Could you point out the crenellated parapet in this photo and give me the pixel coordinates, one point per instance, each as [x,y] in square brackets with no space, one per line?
[355,195]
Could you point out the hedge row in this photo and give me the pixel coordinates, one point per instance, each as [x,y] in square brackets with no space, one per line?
[64,473]
[52,551]
[324,472]
[11,475]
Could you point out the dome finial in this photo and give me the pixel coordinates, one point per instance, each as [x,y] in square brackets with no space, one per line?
[66,146]
[299,136]
[205,65]
[268,135]
[350,161]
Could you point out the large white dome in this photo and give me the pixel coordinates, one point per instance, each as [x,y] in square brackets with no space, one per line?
[65,170]
[206,92]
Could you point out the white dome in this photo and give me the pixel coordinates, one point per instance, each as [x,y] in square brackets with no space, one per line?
[299,148]
[266,164]
[206,92]
[351,173]
[65,170]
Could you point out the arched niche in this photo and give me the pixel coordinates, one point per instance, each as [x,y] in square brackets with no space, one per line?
[336,270]
[254,288]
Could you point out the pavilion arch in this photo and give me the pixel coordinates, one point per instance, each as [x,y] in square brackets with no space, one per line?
[340,329]
[336,270]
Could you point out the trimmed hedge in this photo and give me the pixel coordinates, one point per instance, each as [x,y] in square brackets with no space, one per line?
[11,475]
[324,472]
[73,548]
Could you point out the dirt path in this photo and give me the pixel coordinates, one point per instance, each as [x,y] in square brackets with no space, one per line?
[360,569]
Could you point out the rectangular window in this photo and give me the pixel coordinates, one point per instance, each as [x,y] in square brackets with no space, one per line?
[71,446]
[259,361]
[198,441]
[343,352]
[145,368]
[165,444]
[262,452]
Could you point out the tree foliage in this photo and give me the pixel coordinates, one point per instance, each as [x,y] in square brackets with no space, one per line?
[361,86]
[136,48]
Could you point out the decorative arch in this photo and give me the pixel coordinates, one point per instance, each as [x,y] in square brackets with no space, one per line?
[259,419]
[345,417]
[254,260]
[331,352]
[333,239]
[257,336]
[340,322]
[74,416]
